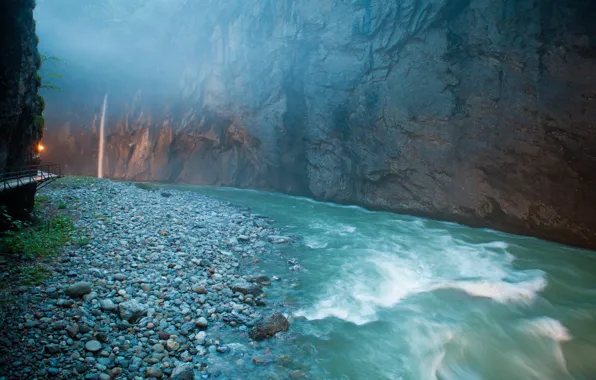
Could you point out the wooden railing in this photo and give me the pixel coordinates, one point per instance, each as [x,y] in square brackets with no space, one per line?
[41,175]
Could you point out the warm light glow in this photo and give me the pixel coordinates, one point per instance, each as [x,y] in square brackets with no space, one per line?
[40,148]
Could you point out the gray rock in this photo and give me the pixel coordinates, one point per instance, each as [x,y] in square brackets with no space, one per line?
[78,289]
[202,323]
[245,287]
[187,328]
[107,305]
[268,326]
[64,303]
[199,289]
[52,348]
[184,372]
[72,330]
[92,346]
[154,372]
[275,239]
[261,280]
[131,311]
[119,277]
[159,348]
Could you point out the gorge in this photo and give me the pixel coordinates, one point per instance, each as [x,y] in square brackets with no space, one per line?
[474,111]
[298,189]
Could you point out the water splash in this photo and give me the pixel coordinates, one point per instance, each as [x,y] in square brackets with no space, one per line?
[102,126]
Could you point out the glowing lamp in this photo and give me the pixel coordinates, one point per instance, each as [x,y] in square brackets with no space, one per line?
[40,148]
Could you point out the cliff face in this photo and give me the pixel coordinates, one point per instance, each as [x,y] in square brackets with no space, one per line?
[477,111]
[21,125]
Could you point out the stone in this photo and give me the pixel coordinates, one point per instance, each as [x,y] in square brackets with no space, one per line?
[131,311]
[81,368]
[159,348]
[268,326]
[202,323]
[172,345]
[263,359]
[200,337]
[163,335]
[52,349]
[78,290]
[107,305]
[245,287]
[261,280]
[199,289]
[59,325]
[64,303]
[72,330]
[187,328]
[119,277]
[115,372]
[275,239]
[184,372]
[93,346]
[154,373]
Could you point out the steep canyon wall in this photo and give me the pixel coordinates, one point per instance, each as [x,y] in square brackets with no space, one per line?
[476,111]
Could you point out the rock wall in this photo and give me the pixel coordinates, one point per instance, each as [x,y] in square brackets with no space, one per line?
[477,111]
[21,123]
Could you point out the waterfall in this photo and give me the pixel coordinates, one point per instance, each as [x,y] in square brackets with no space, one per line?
[102,137]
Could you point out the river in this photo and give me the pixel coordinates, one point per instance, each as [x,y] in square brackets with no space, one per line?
[387,296]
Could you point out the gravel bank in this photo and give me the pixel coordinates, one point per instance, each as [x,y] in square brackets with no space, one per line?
[165,284]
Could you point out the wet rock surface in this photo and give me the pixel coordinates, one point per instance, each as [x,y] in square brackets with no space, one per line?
[268,326]
[132,302]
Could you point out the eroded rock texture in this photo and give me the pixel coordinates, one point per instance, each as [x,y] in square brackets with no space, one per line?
[477,111]
[20,106]
[21,123]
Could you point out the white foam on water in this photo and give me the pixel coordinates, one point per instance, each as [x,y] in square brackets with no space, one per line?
[388,269]
[502,292]
[314,243]
[548,327]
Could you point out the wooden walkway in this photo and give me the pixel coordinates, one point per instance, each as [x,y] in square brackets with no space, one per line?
[23,176]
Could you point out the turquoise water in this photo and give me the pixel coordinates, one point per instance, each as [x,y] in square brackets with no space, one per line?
[385,296]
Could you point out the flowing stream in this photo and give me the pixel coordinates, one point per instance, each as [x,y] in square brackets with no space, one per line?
[386,296]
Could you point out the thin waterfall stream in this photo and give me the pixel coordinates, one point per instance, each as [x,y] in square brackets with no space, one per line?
[102,126]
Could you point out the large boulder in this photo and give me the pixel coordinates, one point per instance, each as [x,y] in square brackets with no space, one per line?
[78,290]
[268,326]
[132,311]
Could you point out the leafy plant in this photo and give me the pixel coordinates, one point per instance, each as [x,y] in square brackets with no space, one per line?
[62,205]
[34,275]
[42,240]
[49,75]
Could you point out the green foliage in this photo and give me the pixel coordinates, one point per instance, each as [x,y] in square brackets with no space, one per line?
[44,239]
[62,206]
[83,241]
[48,72]
[34,275]
[39,122]
[42,102]
[74,182]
